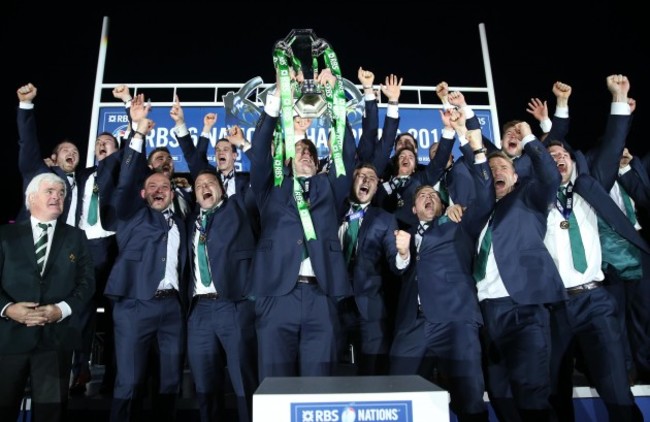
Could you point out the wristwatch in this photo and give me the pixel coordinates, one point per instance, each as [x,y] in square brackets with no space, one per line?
[481,150]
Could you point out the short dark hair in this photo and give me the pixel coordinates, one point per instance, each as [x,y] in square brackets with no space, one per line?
[500,154]
[366,165]
[233,146]
[558,143]
[55,151]
[419,189]
[213,172]
[399,136]
[117,144]
[395,157]
[507,125]
[155,150]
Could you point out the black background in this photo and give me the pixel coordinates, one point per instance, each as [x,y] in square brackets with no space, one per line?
[531,45]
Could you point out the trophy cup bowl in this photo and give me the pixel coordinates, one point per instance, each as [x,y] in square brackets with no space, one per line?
[305,46]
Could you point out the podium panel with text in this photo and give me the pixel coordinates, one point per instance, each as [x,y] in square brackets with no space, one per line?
[408,398]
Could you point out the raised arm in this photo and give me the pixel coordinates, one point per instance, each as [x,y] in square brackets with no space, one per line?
[605,162]
[30,159]
[370,121]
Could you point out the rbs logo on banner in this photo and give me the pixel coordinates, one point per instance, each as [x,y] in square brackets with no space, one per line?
[375,411]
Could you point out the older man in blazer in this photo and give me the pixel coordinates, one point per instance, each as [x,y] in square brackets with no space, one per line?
[46,275]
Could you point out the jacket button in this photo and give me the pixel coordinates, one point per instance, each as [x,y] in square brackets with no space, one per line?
[164,259]
[300,242]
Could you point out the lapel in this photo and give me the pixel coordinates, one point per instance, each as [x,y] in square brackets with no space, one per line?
[368,218]
[27,242]
[55,248]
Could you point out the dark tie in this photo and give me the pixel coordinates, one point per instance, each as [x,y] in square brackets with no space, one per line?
[176,202]
[577,248]
[225,179]
[443,192]
[351,234]
[422,227]
[480,263]
[168,217]
[41,247]
[71,180]
[93,208]
[397,182]
[201,253]
[629,208]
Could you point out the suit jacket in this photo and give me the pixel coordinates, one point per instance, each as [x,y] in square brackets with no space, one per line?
[376,250]
[459,179]
[518,229]
[596,172]
[68,276]
[637,183]
[279,251]
[373,148]
[141,238]
[441,270]
[30,164]
[231,246]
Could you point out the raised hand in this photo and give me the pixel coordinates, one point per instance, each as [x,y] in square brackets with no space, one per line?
[176,112]
[122,92]
[26,93]
[538,109]
[392,87]
[619,86]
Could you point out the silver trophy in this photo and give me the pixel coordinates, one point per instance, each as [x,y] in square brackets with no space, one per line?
[304,45]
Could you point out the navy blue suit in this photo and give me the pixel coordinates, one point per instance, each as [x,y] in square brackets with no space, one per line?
[373,148]
[445,326]
[591,318]
[140,319]
[366,312]
[516,334]
[104,252]
[635,294]
[222,329]
[296,319]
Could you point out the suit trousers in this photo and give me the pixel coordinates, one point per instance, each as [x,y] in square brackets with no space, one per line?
[517,348]
[49,375]
[297,333]
[141,325]
[220,331]
[590,319]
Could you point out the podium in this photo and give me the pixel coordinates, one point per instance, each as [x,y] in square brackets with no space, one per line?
[407,398]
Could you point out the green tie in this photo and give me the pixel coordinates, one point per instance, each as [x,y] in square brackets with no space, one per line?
[629,208]
[480,263]
[41,247]
[577,248]
[443,193]
[93,208]
[201,253]
[351,234]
